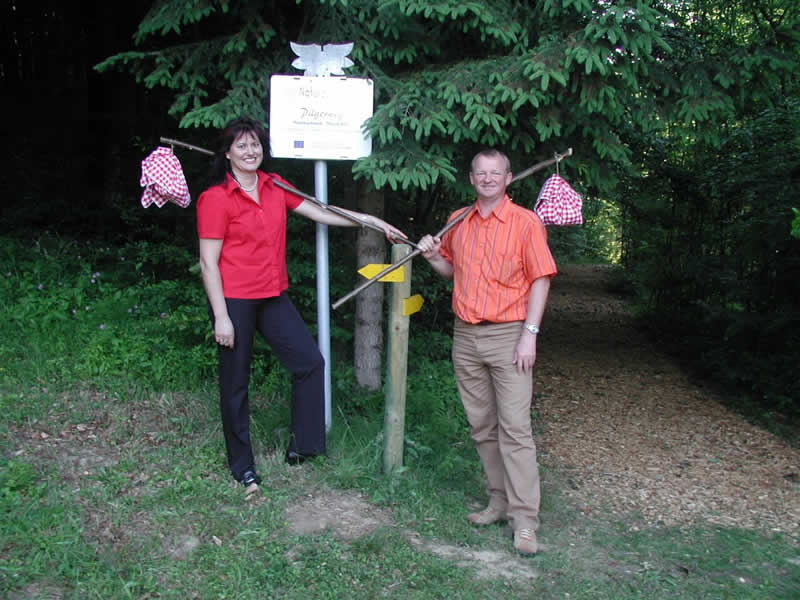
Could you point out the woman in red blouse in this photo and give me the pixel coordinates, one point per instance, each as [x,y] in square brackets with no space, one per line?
[241,224]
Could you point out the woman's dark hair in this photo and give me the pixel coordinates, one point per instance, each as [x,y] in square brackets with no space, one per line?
[231,131]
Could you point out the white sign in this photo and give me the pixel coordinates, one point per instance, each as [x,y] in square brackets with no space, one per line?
[319,117]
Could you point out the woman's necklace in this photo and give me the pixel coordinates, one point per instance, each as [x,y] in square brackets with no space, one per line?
[255,185]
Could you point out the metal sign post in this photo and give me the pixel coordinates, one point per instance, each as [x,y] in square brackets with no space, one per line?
[323,288]
[319,116]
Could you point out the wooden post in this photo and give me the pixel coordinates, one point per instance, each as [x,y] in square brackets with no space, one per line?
[396,367]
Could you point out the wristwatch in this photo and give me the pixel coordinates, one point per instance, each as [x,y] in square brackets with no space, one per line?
[534,329]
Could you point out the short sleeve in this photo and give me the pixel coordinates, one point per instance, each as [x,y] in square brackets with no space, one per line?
[212,214]
[537,259]
[291,201]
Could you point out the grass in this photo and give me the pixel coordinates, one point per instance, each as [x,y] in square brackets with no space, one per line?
[113,483]
[136,503]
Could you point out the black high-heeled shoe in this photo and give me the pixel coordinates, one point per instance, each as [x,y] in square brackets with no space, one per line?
[249,478]
[295,458]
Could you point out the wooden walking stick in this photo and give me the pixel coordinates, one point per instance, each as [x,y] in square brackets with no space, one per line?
[399,263]
[339,211]
[185,145]
[296,192]
[450,225]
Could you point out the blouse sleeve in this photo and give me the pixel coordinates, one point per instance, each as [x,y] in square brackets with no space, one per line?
[290,200]
[212,214]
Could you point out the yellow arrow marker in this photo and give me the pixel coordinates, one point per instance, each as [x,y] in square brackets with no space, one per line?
[396,276]
[412,304]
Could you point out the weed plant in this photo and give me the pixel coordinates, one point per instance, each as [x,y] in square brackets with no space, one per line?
[113,483]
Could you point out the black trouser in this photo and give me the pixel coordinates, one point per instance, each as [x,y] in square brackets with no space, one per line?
[284,330]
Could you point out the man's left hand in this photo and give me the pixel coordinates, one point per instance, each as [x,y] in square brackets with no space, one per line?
[525,352]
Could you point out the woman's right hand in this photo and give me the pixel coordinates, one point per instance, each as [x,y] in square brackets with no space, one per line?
[223,331]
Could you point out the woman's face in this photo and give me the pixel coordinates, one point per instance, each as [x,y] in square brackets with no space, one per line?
[245,154]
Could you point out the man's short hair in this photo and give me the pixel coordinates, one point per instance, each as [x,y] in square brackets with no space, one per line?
[490,153]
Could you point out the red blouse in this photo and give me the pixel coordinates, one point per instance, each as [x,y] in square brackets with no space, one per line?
[252,261]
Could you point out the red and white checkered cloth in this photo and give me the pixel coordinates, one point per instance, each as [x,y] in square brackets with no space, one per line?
[558,203]
[163,180]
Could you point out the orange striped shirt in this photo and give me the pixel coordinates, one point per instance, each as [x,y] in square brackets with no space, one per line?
[495,261]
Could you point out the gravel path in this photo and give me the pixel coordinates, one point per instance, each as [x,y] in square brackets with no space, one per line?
[636,435]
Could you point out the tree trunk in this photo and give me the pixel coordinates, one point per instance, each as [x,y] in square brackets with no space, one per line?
[369,303]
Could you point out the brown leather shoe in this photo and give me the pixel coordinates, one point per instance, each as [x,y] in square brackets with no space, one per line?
[487,516]
[525,541]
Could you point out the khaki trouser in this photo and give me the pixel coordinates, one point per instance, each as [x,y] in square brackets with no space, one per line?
[497,401]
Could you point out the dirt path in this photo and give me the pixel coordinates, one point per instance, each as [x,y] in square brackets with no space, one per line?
[636,435]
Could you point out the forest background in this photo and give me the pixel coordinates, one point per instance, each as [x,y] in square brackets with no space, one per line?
[683,116]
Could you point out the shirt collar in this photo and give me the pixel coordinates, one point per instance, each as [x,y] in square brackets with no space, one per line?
[500,211]
[230,182]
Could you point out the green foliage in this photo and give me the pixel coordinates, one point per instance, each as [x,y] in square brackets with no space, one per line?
[512,94]
[17,479]
[134,314]
[716,260]
[41,536]
[434,408]
[114,324]
[199,70]
[705,210]
[449,76]
[682,117]
[795,231]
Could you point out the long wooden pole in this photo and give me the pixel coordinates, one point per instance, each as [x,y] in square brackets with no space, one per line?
[296,192]
[404,260]
[185,145]
[336,210]
[399,263]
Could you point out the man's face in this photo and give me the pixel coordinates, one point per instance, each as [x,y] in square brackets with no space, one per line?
[489,177]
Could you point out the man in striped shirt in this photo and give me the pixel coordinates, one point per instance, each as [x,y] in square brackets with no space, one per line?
[501,267]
